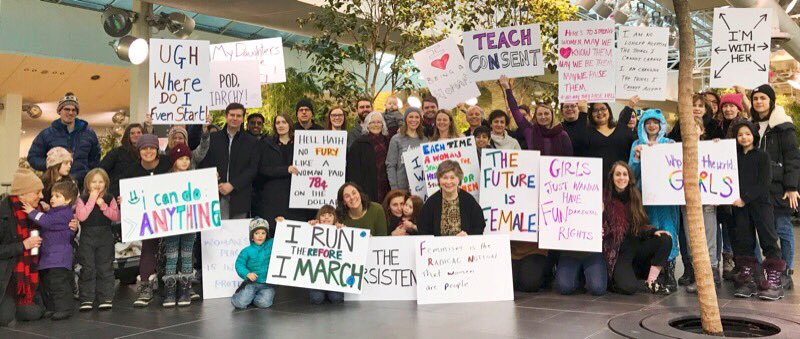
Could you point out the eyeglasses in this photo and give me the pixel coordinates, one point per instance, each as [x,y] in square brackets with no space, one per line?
[73,110]
[601,109]
[337,115]
[375,123]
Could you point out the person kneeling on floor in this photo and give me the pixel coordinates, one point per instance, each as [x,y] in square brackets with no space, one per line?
[252,265]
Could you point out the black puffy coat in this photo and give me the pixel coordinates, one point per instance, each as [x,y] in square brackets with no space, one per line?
[780,142]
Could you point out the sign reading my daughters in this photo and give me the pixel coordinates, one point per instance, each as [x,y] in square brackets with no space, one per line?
[268,53]
[516,51]
[510,193]
[571,204]
[179,71]
[586,61]
[320,157]
[445,73]
[461,150]
[169,204]
[320,257]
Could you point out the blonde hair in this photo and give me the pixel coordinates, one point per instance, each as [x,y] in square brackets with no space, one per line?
[452,133]
[91,174]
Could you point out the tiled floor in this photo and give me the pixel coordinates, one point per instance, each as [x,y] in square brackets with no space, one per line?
[538,315]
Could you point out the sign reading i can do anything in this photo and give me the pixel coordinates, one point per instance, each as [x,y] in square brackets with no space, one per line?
[512,51]
[179,71]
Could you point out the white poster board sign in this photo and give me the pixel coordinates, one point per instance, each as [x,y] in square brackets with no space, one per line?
[511,51]
[740,47]
[473,268]
[717,166]
[510,193]
[443,68]
[642,62]
[320,157]
[461,150]
[268,52]
[586,61]
[571,204]
[162,205]
[234,81]
[390,270]
[178,81]
[220,250]
[412,159]
[320,257]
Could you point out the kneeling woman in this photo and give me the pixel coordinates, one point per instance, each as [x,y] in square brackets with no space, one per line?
[451,211]
[633,249]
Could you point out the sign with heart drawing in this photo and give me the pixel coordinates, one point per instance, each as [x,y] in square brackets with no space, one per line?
[444,70]
[586,61]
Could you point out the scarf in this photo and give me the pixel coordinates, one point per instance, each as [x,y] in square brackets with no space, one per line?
[378,142]
[27,275]
[615,225]
[503,142]
[553,143]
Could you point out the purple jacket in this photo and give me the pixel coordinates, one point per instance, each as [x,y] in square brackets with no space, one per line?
[56,250]
[553,141]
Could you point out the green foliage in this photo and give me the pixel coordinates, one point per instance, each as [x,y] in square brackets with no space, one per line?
[108,141]
[792,108]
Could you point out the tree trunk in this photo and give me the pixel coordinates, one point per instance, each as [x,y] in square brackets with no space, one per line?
[707,295]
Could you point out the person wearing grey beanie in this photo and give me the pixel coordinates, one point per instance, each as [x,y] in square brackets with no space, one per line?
[410,135]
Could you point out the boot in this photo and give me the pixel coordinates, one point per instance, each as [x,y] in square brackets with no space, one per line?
[669,278]
[688,275]
[656,288]
[170,285]
[692,288]
[786,279]
[771,288]
[145,292]
[185,293]
[745,286]
[727,266]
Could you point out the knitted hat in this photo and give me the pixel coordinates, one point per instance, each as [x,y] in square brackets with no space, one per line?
[766,89]
[25,181]
[178,151]
[256,224]
[177,130]
[412,109]
[57,155]
[147,140]
[68,99]
[732,98]
[304,102]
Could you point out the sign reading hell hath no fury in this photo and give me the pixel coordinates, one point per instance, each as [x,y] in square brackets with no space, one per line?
[586,61]
[179,81]
[740,47]
[512,51]
[319,257]
[510,193]
[320,157]
[571,204]
[717,167]
[390,270]
[169,204]
[235,81]
[461,150]
[220,250]
[445,72]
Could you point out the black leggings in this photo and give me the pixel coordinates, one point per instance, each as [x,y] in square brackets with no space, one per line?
[636,255]
[755,217]
[530,272]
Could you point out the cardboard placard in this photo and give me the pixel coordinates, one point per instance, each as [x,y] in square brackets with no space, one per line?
[268,52]
[642,62]
[220,250]
[412,159]
[321,158]
[586,61]
[235,81]
[511,51]
[510,193]
[391,270]
[740,47]
[445,72]
[461,150]
[178,81]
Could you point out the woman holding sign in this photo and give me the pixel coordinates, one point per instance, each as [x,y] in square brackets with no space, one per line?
[543,135]
[451,211]
[355,209]
[366,158]
[607,141]
[410,135]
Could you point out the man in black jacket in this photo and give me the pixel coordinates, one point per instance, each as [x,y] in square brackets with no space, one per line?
[235,153]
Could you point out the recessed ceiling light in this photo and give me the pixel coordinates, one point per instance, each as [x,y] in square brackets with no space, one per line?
[95,77]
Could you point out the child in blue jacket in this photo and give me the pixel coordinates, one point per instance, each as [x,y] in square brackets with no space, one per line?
[252,265]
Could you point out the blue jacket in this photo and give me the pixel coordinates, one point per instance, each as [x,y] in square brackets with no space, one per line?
[665,218]
[254,258]
[82,143]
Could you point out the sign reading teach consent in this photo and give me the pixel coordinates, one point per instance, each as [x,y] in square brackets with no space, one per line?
[391,273]
[461,150]
[220,250]
[179,81]
[321,160]
[319,256]
[510,193]
[169,204]
[512,51]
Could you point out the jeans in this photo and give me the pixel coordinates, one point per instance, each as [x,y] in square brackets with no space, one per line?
[257,294]
[595,273]
[783,224]
[317,297]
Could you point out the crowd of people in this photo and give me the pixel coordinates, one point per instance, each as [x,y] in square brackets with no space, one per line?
[77,196]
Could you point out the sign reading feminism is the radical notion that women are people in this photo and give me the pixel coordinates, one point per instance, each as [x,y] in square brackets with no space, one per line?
[169,204]
[179,81]
[320,159]
[461,150]
[509,188]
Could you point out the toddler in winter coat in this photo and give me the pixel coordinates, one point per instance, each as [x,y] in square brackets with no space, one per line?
[252,265]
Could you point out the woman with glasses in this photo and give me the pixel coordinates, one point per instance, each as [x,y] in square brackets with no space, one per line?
[606,139]
[337,120]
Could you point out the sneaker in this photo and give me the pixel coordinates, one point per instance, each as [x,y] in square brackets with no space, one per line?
[106,305]
[195,296]
[691,288]
[145,294]
[786,279]
[86,306]
[656,288]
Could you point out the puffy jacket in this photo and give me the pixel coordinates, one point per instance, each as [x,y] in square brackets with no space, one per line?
[254,258]
[81,142]
[779,141]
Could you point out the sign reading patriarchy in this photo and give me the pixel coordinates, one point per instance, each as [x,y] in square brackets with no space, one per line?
[319,257]
[512,51]
[717,167]
[510,193]
[178,92]
[412,159]
[571,204]
[220,250]
[740,47]
[445,73]
[320,157]
[586,61]
[391,270]
[235,81]
[642,62]
[169,204]
[461,150]
[268,53]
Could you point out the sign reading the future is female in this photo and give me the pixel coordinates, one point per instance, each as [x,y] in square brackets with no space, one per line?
[510,193]
[511,51]
[179,81]
[445,73]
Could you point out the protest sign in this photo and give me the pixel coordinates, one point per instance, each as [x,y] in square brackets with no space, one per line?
[461,150]
[320,158]
[390,270]
[235,81]
[220,250]
[511,51]
[268,52]
[320,257]
[169,204]
[642,62]
[412,159]
[586,61]
[571,204]
[178,92]
[717,166]
[510,193]
[445,73]
[473,268]
[740,47]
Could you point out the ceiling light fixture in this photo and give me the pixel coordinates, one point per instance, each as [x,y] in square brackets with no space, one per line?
[131,49]
[118,22]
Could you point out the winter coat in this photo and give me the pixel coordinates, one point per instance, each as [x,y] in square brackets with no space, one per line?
[713,129]
[395,166]
[553,141]
[578,132]
[255,259]
[361,166]
[81,142]
[11,247]
[56,250]
[429,221]
[237,167]
[116,163]
[616,229]
[273,196]
[394,119]
[665,218]
[780,143]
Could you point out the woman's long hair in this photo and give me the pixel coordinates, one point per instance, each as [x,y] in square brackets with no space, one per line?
[592,123]
[634,207]
[341,208]
[388,199]
[451,131]
[329,125]
[289,121]
[126,140]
